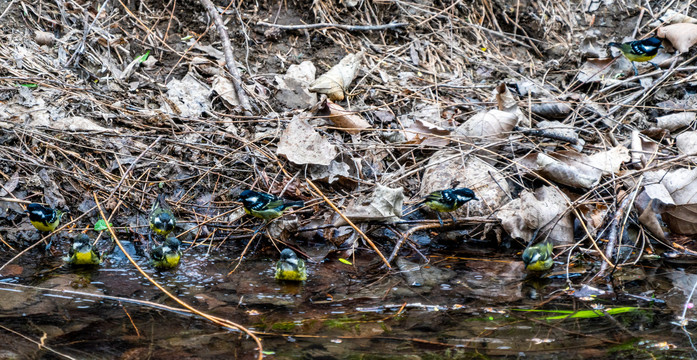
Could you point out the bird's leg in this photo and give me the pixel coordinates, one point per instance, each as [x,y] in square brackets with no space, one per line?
[439,219]
[655,65]
[453,216]
[636,72]
[48,243]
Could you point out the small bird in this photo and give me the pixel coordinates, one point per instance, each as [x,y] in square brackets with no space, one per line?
[43,218]
[82,253]
[539,257]
[290,267]
[162,220]
[265,206]
[639,50]
[167,255]
[448,200]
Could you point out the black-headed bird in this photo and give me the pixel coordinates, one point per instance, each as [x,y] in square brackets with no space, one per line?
[167,255]
[162,220]
[639,50]
[448,200]
[265,206]
[539,257]
[290,267]
[82,252]
[43,218]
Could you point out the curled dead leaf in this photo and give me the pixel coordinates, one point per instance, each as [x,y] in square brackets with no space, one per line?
[682,36]
[676,121]
[491,125]
[421,132]
[334,82]
[349,120]
[384,204]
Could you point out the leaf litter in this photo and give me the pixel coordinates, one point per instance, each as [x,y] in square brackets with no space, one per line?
[555,136]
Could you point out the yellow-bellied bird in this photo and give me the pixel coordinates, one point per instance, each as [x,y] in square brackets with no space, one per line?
[639,50]
[162,220]
[290,267]
[167,255]
[539,257]
[448,200]
[265,206]
[43,218]
[82,252]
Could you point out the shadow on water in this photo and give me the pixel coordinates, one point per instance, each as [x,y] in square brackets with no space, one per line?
[455,307]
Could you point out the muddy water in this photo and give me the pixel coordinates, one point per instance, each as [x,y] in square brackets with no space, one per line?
[457,306]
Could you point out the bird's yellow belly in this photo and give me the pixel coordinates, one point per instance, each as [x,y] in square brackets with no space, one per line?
[159,231]
[45,228]
[438,206]
[639,58]
[541,265]
[291,275]
[84,258]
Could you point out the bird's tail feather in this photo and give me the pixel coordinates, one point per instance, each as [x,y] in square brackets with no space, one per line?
[614,44]
[288,204]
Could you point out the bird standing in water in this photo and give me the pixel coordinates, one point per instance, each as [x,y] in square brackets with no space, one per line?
[82,252]
[539,257]
[265,206]
[290,267]
[639,50]
[162,220]
[448,200]
[167,255]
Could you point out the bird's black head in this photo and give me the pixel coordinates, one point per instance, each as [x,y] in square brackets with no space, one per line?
[248,198]
[37,212]
[465,194]
[165,222]
[173,243]
[81,242]
[288,254]
[653,41]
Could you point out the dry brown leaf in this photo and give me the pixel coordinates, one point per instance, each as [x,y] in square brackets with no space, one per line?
[301,144]
[568,168]
[687,142]
[385,205]
[682,36]
[596,70]
[544,209]
[551,109]
[420,132]
[334,82]
[679,208]
[677,120]
[507,102]
[490,125]
[349,120]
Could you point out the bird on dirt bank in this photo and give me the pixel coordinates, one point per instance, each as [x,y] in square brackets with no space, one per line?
[167,255]
[448,200]
[43,218]
[162,220]
[265,206]
[82,253]
[639,50]
[290,267]
[539,257]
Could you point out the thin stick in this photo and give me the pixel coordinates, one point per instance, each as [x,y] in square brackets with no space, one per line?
[365,237]
[229,57]
[391,25]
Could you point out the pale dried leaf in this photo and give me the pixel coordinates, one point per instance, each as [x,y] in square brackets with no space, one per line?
[384,205]
[420,133]
[301,144]
[687,142]
[491,125]
[293,86]
[223,87]
[187,97]
[676,121]
[338,78]
[349,120]
[71,123]
[682,36]
[570,169]
[545,209]
[609,161]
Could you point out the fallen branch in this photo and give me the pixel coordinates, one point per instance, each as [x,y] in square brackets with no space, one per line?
[229,57]
[337,26]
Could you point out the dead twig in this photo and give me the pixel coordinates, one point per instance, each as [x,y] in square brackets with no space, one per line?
[391,25]
[229,57]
